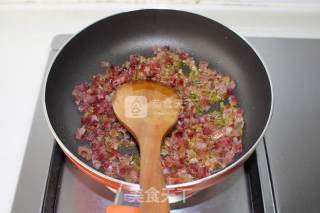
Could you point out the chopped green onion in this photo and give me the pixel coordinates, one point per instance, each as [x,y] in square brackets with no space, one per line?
[214,98]
[219,121]
[199,109]
[136,161]
[194,97]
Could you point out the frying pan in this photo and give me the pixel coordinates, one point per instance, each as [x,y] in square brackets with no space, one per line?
[114,38]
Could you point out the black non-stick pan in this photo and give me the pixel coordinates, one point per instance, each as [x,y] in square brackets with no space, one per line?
[115,38]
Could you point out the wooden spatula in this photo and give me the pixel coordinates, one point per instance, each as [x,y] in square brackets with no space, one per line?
[148,110]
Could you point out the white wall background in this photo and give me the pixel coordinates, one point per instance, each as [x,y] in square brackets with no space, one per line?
[221,2]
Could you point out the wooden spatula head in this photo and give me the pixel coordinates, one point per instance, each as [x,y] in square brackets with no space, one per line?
[144,105]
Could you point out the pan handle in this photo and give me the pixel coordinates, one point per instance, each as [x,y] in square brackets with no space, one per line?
[122,209]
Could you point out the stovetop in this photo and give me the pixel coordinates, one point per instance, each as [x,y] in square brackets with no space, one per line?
[282,175]
[69,190]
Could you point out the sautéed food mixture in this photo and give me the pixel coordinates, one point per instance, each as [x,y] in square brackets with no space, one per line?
[206,138]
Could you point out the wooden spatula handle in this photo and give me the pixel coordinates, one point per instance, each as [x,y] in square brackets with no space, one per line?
[154,194]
